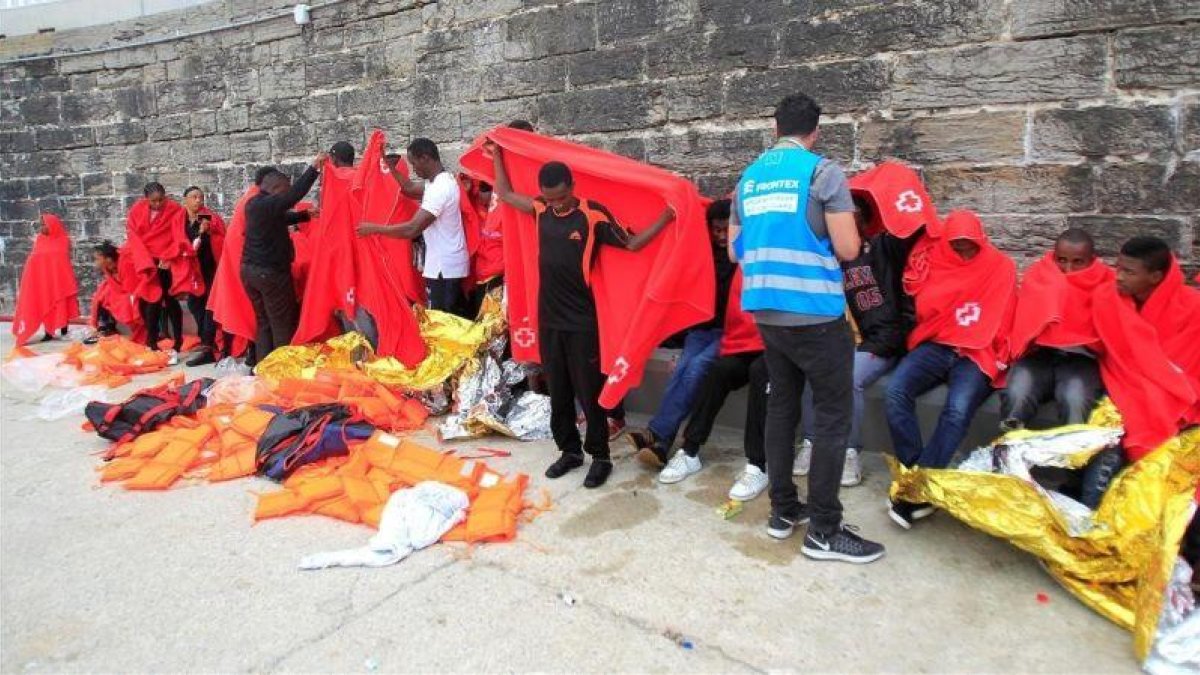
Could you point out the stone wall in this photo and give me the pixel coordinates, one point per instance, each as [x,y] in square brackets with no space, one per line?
[1037,113]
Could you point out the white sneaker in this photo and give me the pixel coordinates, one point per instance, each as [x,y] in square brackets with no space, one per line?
[172,358]
[680,467]
[749,485]
[852,469]
[803,458]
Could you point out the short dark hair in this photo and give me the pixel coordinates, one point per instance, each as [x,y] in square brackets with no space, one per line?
[393,157]
[864,204]
[1076,235]
[718,210]
[553,174]
[272,177]
[1154,253]
[263,172]
[423,147]
[797,115]
[192,188]
[153,187]
[523,125]
[342,153]
[107,249]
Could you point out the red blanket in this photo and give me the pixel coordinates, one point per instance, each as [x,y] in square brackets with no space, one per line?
[1055,309]
[740,334]
[48,295]
[349,271]
[117,294]
[902,206]
[383,203]
[162,239]
[228,300]
[1149,360]
[488,260]
[641,298]
[966,304]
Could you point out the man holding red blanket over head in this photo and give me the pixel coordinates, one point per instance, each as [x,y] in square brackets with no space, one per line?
[115,302]
[165,263]
[965,293]
[49,295]
[570,232]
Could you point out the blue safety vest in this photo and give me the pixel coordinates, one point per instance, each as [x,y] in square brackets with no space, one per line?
[786,268]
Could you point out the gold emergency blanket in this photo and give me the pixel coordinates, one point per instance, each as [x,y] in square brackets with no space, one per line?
[452,342]
[1117,559]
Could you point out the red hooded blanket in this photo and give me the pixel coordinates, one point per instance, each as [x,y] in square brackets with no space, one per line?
[162,237]
[1055,309]
[349,271]
[902,206]
[641,298]
[48,295]
[966,304]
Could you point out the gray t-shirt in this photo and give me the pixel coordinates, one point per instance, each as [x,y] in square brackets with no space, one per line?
[829,193]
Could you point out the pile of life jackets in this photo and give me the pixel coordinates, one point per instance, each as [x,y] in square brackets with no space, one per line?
[113,361]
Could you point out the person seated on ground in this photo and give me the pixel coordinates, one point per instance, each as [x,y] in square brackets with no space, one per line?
[206,230]
[700,348]
[268,254]
[965,295]
[883,316]
[48,296]
[1053,335]
[740,363]
[114,304]
[570,231]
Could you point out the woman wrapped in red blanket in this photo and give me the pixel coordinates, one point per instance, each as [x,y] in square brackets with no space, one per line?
[49,295]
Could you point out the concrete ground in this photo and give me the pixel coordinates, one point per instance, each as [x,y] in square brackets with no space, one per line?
[632,577]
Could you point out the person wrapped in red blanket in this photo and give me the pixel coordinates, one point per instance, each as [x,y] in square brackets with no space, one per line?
[115,302]
[965,294]
[49,295]
[165,263]
[205,229]
[570,233]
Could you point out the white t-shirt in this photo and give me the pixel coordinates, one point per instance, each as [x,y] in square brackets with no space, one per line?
[445,242]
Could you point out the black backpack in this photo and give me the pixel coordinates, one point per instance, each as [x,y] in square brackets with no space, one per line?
[146,410]
[305,435]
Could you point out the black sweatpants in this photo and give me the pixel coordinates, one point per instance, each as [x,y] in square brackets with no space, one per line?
[446,295]
[821,355]
[480,292]
[726,375]
[167,307]
[206,325]
[571,363]
[273,296]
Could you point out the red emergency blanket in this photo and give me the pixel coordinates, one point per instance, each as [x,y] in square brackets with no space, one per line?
[48,295]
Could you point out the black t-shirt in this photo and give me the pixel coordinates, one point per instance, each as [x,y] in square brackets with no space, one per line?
[208,261]
[564,300]
[875,294]
[268,242]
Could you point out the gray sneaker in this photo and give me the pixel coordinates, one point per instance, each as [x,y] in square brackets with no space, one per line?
[843,545]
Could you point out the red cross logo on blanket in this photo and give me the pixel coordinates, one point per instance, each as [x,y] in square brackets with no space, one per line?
[967,314]
[524,337]
[909,202]
[350,296]
[619,370]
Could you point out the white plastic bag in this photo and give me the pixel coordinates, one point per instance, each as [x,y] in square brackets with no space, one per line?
[230,366]
[64,403]
[35,373]
[237,389]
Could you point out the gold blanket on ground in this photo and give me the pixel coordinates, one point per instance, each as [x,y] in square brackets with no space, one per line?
[1119,560]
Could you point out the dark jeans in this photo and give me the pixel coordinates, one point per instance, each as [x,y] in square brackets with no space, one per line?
[1072,380]
[924,368]
[475,303]
[167,308]
[822,356]
[106,323]
[726,375]
[700,349]
[571,362]
[446,295]
[206,325]
[273,296]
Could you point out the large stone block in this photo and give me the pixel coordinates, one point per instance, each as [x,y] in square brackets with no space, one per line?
[242,86]
[692,98]
[1141,187]
[188,95]
[871,28]
[1189,127]
[1024,237]
[41,187]
[846,86]
[1112,231]
[233,119]
[836,141]
[21,209]
[120,133]
[623,20]
[62,138]
[90,106]
[1055,17]
[742,47]
[44,109]
[319,108]
[437,124]
[44,163]
[592,110]
[742,13]
[677,53]
[47,84]
[1103,130]
[551,31]
[17,141]
[1044,70]
[606,66]
[478,117]
[383,96]
[210,149]
[1165,57]
[1013,189]
[96,184]
[253,146]
[980,137]
[168,127]
[292,140]
[133,102]
[204,123]
[704,151]
[282,80]
[14,189]
[523,78]
[333,71]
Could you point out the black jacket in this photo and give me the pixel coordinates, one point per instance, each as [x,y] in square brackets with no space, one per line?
[268,241]
[875,294]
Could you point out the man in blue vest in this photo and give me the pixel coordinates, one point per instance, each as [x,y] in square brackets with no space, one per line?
[794,220]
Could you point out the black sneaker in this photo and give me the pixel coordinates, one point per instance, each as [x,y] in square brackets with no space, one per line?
[563,465]
[204,358]
[844,545]
[781,526]
[1011,424]
[598,473]
[905,514]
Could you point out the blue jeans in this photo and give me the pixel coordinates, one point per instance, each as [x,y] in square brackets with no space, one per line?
[700,349]
[924,368]
[867,369]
